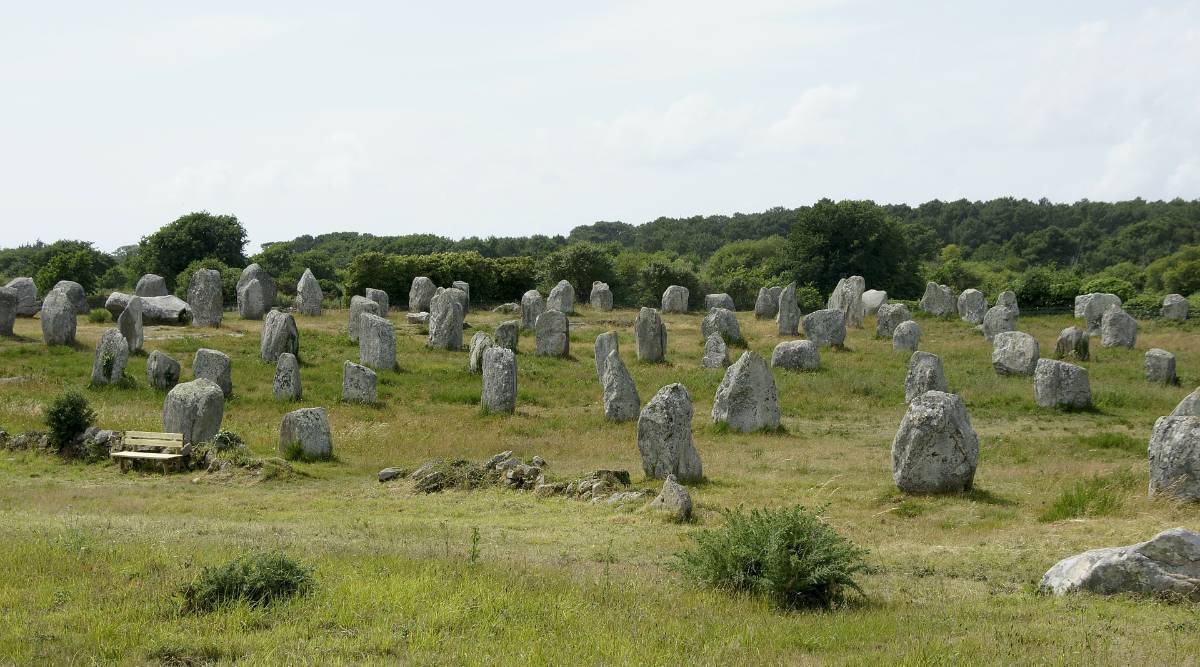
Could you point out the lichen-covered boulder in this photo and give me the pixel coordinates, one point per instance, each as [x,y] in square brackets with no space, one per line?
[265,293]
[1118,328]
[847,297]
[151,285]
[205,298]
[279,335]
[925,373]
[532,305]
[766,306]
[1160,367]
[747,398]
[675,299]
[376,342]
[872,299]
[787,318]
[167,310]
[1057,384]
[796,355]
[552,335]
[674,501]
[605,343]
[601,297]
[1015,353]
[446,321]
[480,342]
[716,352]
[162,371]
[194,409]
[562,298]
[1166,565]
[358,383]
[286,386]
[252,300]
[721,300]
[935,449]
[1008,299]
[665,436]
[76,294]
[621,400]
[1174,307]
[464,287]
[420,294]
[28,303]
[508,333]
[1189,406]
[58,319]
[997,320]
[972,306]
[499,380]
[1091,308]
[722,322]
[938,300]
[358,306]
[650,336]
[907,336]
[1072,343]
[116,303]
[305,434]
[9,302]
[112,353]
[889,316]
[380,298]
[825,328]
[1174,456]
[131,324]
[216,366]
[308,294]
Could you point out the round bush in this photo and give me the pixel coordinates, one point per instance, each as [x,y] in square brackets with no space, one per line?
[67,417]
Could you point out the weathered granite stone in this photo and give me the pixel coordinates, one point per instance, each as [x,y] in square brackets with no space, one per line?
[112,353]
[358,306]
[721,300]
[847,297]
[1167,564]
[1072,342]
[997,320]
[465,288]
[723,322]
[796,355]
[252,300]
[747,398]
[279,335]
[499,380]
[358,383]
[787,316]
[562,298]
[480,342]
[115,303]
[825,328]
[417,318]
[58,319]
[621,399]
[972,306]
[601,297]
[1160,367]
[872,299]
[888,317]
[532,305]
[1174,454]
[205,298]
[130,322]
[508,333]
[380,298]
[650,336]
[1118,328]
[376,342]
[265,293]
[552,335]
[420,294]
[309,294]
[305,434]
[194,409]
[605,343]
[286,386]
[446,321]
[665,436]
[925,373]
[766,306]
[28,303]
[938,300]
[216,366]
[674,500]
[675,299]
[9,302]
[907,336]
[935,449]
[716,352]
[1091,308]
[76,294]
[151,285]
[162,371]
[1057,384]
[1008,299]
[1015,353]
[1174,307]
[1189,406]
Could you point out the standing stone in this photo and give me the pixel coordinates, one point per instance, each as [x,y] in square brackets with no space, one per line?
[787,316]
[605,343]
[480,343]
[380,298]
[286,386]
[723,322]
[766,306]
[721,300]
[1160,367]
[465,288]
[130,322]
[1118,328]
[376,342]
[972,306]
[151,285]
[28,303]
[796,355]
[1015,353]
[9,302]
[252,300]
[621,399]
[194,409]
[562,298]
[1189,406]
[997,320]
[747,399]
[906,337]
[938,300]
[1175,458]
[58,319]
[847,297]
[205,298]
[1168,565]
[162,371]
[508,333]
[1175,307]
[935,449]
[1057,384]
[215,366]
[925,373]
[1008,299]
[650,336]
[601,297]
[716,352]
[264,293]
[872,299]
[305,434]
[1072,342]
[279,335]
[552,335]
[358,383]
[825,328]
[446,321]
[665,436]
[112,353]
[499,381]
[532,305]
[358,306]
[308,294]
[464,301]
[1091,308]
[675,299]
[76,294]
[420,294]
[888,317]
[674,500]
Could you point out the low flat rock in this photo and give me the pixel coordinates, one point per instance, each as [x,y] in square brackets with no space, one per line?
[166,310]
[825,328]
[1167,564]
[796,355]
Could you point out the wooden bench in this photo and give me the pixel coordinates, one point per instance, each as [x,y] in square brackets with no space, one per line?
[165,448]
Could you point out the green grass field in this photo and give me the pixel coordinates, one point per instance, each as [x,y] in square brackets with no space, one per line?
[91,557]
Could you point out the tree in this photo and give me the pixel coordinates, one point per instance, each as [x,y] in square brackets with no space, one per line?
[194,236]
[579,264]
[832,240]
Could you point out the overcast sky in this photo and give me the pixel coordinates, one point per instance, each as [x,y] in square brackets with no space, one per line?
[513,118]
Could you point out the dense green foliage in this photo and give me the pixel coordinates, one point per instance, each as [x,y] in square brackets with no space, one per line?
[67,417]
[832,240]
[192,237]
[257,578]
[229,278]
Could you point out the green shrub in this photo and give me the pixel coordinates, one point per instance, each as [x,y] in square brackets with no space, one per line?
[67,417]
[99,316]
[1143,306]
[789,555]
[1120,287]
[259,579]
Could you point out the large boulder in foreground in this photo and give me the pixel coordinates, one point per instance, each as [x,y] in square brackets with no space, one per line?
[58,319]
[747,398]
[825,328]
[650,336]
[935,449]
[305,434]
[1189,406]
[1015,353]
[665,436]
[1174,455]
[1057,384]
[1167,564]
[194,409]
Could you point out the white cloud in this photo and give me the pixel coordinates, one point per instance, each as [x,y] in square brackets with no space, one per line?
[693,127]
[201,38]
[819,117]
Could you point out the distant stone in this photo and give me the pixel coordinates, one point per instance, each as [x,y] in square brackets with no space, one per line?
[112,353]
[417,318]
[1118,328]
[252,300]
[888,317]
[601,297]
[286,386]
[766,306]
[1175,307]
[420,294]
[115,303]
[1166,565]
[650,336]
[532,305]
[508,333]
[1160,367]
[480,342]
[1189,406]
[723,322]
[376,342]
[389,474]
[58,319]
[499,380]
[562,298]
[214,365]
[796,355]
[925,373]
[167,310]
[446,321]
[465,288]
[872,299]
[1015,353]
[552,335]
[9,302]
[151,285]
[972,306]
[309,294]
[787,311]
[162,371]
[906,337]
[998,320]
[194,409]
[621,399]
[825,328]
[507,308]
[306,432]
[605,343]
[205,297]
[675,299]
[1057,384]
[674,501]
[1072,343]
[938,300]
[1175,458]
[665,436]
[1008,299]
[721,300]
[279,335]
[76,294]
[358,306]
[131,323]
[747,398]
[28,303]
[935,449]
[847,297]
[1091,308]
[380,298]
[264,294]
[716,352]
[358,383]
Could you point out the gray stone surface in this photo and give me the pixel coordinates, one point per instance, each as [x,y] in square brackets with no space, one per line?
[1174,455]
[358,383]
[888,317]
[747,398]
[1008,299]
[601,297]
[1167,564]
[1015,353]
[1057,384]
[665,436]
[716,352]
[925,373]
[279,335]
[151,285]
[28,303]
[265,293]
[787,312]
[9,302]
[480,342]
[508,334]
[376,342]
[446,321]
[532,305]
[723,322]
[131,323]
[162,371]
[605,343]
[552,335]
[621,400]
[309,294]
[306,431]
[464,287]
[721,300]
[215,366]
[872,299]
[112,354]
[1160,367]
[74,292]
[58,319]
[358,306]
[907,336]
[796,355]
[380,298]
[847,297]
[675,299]
[1189,406]
[766,306]
[166,310]
[650,336]
[417,318]
[972,306]
[1072,343]
[499,380]
[935,449]
[420,294]
[674,500]
[194,409]
[252,300]
[938,300]
[205,298]
[562,298]
[997,320]
[1091,308]
[1174,307]
[1118,328]
[115,303]
[286,385]
[825,328]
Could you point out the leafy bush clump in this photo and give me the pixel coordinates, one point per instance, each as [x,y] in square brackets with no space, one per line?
[1110,285]
[99,316]
[789,555]
[258,578]
[67,417]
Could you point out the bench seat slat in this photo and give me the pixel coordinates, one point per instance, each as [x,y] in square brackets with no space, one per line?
[146,455]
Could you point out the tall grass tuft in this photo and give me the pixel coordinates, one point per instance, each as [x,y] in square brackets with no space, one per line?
[1097,496]
[258,578]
